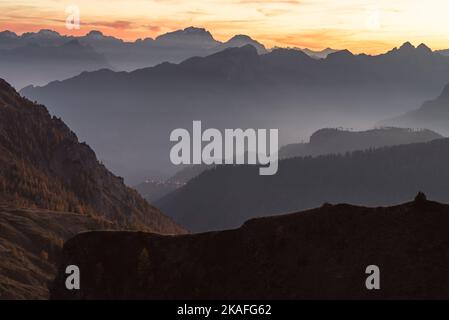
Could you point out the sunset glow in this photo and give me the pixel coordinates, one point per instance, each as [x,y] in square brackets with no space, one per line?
[360,25]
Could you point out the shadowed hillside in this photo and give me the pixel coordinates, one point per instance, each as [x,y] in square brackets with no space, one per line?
[42,165]
[322,142]
[335,141]
[317,254]
[226,196]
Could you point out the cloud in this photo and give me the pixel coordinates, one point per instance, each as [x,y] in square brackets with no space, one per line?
[118,24]
[272,12]
[294,2]
[153,28]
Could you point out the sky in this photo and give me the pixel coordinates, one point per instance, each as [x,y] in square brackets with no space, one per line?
[370,26]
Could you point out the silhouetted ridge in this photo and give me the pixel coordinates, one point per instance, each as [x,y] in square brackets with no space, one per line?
[408,49]
[316,254]
[188,34]
[340,55]
[407,46]
[95,33]
[8,34]
[242,40]
[424,48]
[285,85]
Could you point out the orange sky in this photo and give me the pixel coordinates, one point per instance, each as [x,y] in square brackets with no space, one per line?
[359,25]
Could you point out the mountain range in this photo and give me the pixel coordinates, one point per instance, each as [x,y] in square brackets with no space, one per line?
[226,196]
[36,63]
[317,254]
[324,141]
[125,98]
[338,141]
[284,89]
[40,57]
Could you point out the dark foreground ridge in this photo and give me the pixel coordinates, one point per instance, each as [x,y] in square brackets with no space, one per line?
[321,253]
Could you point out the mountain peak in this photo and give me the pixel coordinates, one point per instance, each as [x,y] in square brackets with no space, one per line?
[407,46]
[342,54]
[192,29]
[48,33]
[241,37]
[187,34]
[424,48]
[242,56]
[8,34]
[42,34]
[95,33]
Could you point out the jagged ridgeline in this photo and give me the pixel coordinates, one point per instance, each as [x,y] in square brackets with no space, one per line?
[43,165]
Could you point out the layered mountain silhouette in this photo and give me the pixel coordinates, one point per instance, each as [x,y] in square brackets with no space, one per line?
[324,141]
[40,57]
[316,254]
[319,54]
[34,63]
[44,166]
[228,195]
[335,141]
[432,114]
[242,40]
[284,89]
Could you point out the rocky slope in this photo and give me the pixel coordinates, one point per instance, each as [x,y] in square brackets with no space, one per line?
[43,165]
[316,254]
